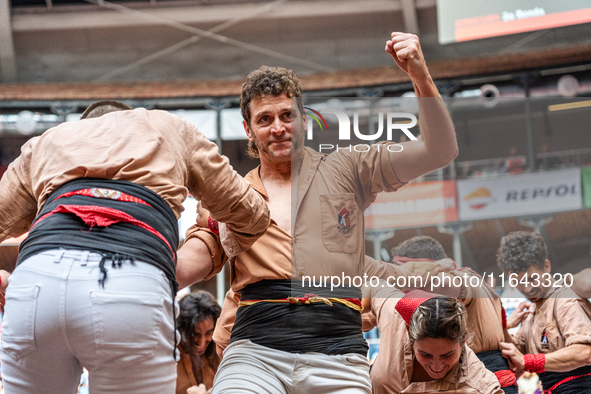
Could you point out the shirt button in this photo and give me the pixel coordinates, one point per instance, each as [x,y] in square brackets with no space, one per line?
[301,273]
[231,250]
[294,240]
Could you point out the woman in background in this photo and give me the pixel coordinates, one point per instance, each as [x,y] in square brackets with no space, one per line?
[199,361]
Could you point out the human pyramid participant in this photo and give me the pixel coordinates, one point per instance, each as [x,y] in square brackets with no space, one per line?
[554,340]
[279,338]
[95,282]
[484,312]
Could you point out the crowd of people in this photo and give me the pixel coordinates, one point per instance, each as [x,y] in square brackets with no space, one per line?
[96,278]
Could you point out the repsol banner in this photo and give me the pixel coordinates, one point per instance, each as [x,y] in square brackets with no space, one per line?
[520,195]
[416,204]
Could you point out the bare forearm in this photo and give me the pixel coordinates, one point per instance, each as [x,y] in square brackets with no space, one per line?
[569,358]
[194,262]
[425,87]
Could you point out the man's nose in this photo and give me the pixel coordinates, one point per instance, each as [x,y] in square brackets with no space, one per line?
[278,126]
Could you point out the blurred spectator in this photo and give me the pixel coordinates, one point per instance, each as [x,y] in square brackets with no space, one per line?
[199,361]
[515,163]
[546,162]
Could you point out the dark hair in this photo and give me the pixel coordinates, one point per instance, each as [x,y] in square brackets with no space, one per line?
[266,81]
[439,317]
[520,250]
[420,247]
[194,308]
[102,107]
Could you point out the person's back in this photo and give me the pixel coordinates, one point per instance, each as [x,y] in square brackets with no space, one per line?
[95,280]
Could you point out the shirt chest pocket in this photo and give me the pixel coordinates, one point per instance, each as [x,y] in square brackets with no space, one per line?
[340,223]
[548,338]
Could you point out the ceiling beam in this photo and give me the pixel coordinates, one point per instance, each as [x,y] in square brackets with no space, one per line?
[92,17]
[7,60]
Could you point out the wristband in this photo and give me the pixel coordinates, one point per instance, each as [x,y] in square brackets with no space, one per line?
[535,362]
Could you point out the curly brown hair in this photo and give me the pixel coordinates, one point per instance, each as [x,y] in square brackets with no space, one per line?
[439,317]
[263,82]
[520,250]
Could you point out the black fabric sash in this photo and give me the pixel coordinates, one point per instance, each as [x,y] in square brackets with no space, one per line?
[494,361]
[580,385]
[299,328]
[116,241]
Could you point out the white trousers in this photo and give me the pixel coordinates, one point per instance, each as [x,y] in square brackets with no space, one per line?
[250,368]
[58,319]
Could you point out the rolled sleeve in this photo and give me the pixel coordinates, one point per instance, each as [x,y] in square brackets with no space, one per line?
[18,206]
[573,322]
[224,193]
[211,240]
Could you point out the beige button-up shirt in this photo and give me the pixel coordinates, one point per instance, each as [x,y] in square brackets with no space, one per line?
[485,322]
[392,370]
[153,148]
[328,239]
[559,320]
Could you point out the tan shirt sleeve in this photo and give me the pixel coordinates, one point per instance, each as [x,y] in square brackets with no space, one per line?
[224,193]
[18,205]
[380,269]
[573,322]
[223,327]
[519,339]
[371,172]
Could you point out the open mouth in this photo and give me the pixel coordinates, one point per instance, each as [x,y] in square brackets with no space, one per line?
[437,371]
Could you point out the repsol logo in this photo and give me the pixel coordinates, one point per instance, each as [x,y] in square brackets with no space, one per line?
[393,121]
[536,193]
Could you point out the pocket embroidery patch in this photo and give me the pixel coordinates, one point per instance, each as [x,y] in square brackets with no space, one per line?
[343,221]
[544,341]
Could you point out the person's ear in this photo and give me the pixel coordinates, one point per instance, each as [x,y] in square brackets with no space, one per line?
[547,266]
[247,130]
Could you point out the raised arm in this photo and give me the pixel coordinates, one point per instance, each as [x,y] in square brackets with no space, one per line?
[437,146]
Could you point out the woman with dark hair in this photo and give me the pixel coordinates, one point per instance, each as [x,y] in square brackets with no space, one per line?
[423,346]
[199,362]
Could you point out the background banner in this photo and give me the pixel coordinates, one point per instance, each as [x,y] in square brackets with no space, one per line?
[520,195]
[416,204]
